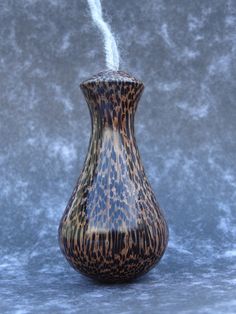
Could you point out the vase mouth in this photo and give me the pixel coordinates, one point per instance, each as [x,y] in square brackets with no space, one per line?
[111,76]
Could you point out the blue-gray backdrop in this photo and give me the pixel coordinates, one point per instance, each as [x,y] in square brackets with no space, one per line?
[185,53]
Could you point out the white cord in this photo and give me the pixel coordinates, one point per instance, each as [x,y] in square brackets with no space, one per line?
[111,50]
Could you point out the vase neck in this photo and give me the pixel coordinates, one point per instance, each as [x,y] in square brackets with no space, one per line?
[112,98]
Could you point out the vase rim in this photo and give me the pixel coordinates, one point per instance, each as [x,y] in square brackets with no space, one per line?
[111,76]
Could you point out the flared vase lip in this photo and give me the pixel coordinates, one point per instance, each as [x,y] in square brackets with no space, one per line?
[111,76]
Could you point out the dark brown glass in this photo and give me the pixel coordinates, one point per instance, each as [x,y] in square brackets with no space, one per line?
[113,228]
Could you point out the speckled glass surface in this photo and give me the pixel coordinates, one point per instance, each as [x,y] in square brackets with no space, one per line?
[185,53]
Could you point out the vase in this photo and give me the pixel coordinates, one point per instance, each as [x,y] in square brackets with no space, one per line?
[113,229]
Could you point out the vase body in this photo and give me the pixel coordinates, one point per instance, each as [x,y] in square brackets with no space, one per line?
[113,228]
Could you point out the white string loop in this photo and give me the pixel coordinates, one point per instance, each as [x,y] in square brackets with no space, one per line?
[110,46]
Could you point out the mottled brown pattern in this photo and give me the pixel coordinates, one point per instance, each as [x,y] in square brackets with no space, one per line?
[113,228]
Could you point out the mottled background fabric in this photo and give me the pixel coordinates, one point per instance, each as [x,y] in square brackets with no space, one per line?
[185,53]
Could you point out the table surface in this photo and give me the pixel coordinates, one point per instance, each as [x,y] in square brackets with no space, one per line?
[43,282]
